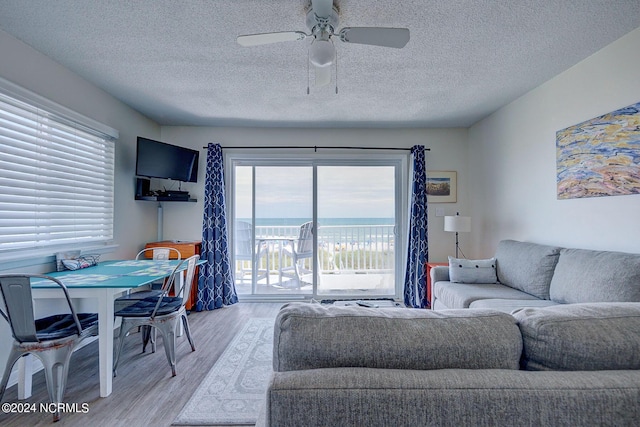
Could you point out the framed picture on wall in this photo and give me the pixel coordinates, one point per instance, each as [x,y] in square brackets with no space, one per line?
[442,187]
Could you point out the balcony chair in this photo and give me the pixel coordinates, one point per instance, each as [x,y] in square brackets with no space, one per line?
[246,250]
[51,339]
[162,313]
[298,250]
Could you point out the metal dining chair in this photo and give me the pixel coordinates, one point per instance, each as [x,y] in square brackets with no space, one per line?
[157,254]
[163,313]
[51,339]
[153,290]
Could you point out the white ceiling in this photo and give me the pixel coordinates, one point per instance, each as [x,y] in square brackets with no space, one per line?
[178,62]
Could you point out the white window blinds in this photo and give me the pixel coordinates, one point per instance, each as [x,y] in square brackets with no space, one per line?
[56,177]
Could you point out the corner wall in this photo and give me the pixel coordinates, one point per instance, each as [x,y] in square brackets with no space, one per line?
[513,166]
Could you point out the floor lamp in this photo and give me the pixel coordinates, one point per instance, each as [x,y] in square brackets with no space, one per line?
[457,224]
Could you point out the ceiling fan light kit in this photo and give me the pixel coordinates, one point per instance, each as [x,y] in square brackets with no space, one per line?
[322,19]
[322,53]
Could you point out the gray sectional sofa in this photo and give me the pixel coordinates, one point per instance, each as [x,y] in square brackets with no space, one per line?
[566,365]
[526,274]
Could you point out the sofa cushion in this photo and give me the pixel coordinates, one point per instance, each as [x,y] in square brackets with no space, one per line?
[509,305]
[581,337]
[526,266]
[461,295]
[596,276]
[347,397]
[472,270]
[311,336]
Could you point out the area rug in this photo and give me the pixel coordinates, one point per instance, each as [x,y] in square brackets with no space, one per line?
[233,392]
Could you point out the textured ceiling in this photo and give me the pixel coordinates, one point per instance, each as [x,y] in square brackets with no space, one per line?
[178,62]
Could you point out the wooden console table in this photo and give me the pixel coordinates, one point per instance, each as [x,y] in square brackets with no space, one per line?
[186,250]
[429,266]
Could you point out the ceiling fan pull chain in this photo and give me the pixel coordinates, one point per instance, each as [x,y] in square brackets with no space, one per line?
[308,59]
[336,72]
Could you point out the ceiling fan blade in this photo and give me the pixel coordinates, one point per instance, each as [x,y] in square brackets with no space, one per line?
[267,38]
[322,8]
[323,76]
[377,36]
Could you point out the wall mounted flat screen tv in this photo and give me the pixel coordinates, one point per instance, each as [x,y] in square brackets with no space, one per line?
[155,159]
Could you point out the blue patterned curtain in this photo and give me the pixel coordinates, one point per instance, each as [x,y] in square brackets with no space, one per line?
[215,285]
[415,281]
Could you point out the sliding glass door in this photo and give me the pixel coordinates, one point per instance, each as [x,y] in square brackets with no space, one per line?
[356,230]
[322,229]
[273,207]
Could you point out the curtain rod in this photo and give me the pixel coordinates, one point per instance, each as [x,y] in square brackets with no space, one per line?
[315,147]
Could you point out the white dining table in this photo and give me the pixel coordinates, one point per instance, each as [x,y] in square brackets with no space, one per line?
[103,282]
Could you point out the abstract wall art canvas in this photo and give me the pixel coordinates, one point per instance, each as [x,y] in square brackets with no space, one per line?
[601,156]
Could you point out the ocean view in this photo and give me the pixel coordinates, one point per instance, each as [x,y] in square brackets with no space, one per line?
[292,222]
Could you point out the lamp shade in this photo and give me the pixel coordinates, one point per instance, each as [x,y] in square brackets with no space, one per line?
[458,224]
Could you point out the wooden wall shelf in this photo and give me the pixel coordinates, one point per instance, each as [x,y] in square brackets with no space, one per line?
[163,199]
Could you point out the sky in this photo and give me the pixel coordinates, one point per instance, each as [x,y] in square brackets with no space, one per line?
[343,192]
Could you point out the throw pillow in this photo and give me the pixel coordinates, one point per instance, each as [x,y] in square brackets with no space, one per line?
[65,255]
[80,262]
[472,270]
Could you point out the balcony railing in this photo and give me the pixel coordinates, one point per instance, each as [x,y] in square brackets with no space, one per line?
[356,248]
[342,249]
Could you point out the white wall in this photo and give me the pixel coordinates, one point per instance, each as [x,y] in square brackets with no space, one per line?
[135,222]
[513,160]
[183,221]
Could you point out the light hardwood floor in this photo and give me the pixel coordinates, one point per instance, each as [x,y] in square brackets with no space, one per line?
[144,393]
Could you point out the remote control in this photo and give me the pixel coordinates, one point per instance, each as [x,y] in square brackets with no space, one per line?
[366,304]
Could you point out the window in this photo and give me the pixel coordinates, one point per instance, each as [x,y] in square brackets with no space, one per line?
[323,227]
[56,176]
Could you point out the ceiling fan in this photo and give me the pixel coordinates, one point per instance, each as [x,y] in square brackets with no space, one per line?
[322,20]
